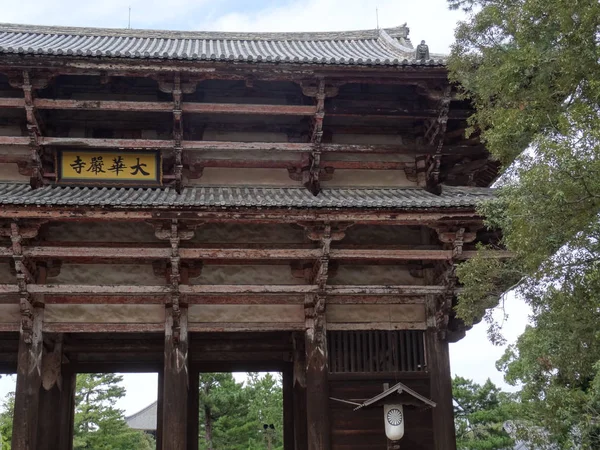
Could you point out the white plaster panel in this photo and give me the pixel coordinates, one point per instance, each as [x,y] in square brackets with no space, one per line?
[249,233]
[382,234]
[250,155]
[374,178]
[363,274]
[104,313]
[10,130]
[242,274]
[120,274]
[246,313]
[10,313]
[243,136]
[6,277]
[99,232]
[382,139]
[219,176]
[375,313]
[10,172]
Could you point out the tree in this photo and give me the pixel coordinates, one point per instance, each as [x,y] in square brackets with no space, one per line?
[531,69]
[6,419]
[233,415]
[480,412]
[223,411]
[98,424]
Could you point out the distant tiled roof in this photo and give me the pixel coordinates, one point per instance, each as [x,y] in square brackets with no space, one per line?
[238,196]
[145,419]
[371,47]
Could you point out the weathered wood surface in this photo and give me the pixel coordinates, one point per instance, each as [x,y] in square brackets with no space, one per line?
[175,384]
[113,252]
[438,360]
[27,392]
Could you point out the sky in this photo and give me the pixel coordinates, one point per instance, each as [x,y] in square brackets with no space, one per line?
[473,357]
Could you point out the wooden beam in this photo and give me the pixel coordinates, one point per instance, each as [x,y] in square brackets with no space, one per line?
[199,289]
[196,108]
[176,382]
[114,252]
[294,147]
[300,425]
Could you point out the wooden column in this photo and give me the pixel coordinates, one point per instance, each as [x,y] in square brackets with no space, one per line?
[288,407]
[300,429]
[176,383]
[317,385]
[193,409]
[29,379]
[438,364]
[57,401]
[159,409]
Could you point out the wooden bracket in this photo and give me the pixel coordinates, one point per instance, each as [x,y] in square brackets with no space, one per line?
[456,236]
[317,231]
[177,133]
[166,84]
[25,273]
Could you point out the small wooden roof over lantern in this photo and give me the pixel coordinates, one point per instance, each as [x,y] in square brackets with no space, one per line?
[393,399]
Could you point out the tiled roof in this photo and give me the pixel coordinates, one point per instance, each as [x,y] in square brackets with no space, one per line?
[262,197]
[145,419]
[371,47]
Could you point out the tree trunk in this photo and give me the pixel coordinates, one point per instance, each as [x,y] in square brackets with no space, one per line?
[208,424]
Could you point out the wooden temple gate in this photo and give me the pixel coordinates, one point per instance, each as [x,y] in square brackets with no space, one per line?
[186,202]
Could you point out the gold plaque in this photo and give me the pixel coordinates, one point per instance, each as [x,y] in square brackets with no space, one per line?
[86,166]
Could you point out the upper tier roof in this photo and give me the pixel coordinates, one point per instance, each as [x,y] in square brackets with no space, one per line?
[368,47]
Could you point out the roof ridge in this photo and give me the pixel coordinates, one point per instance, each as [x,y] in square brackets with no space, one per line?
[401,32]
[143,410]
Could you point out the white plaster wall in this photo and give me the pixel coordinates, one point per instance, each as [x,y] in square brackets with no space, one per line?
[6,277]
[382,234]
[121,274]
[99,232]
[10,172]
[10,130]
[248,233]
[363,274]
[10,313]
[243,136]
[74,313]
[368,178]
[246,313]
[256,274]
[384,139]
[219,176]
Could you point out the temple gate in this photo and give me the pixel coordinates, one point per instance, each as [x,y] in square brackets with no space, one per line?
[182,202]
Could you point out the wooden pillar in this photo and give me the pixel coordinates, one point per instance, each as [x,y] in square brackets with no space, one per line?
[288,407]
[57,400]
[300,429]
[67,409]
[29,378]
[159,409]
[176,382]
[317,384]
[438,364]
[193,409]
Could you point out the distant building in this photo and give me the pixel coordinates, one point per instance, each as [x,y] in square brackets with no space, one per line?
[144,420]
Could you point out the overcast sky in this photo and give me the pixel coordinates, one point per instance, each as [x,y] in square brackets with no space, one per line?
[473,357]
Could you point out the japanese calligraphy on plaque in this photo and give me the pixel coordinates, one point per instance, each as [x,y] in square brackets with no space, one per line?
[85,166]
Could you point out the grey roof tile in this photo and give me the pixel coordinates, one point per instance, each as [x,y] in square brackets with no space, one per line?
[240,196]
[370,47]
[144,419]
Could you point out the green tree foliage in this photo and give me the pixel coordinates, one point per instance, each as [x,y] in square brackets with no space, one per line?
[6,417]
[98,424]
[480,412]
[531,68]
[232,415]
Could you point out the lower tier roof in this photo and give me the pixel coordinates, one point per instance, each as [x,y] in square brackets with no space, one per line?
[239,196]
